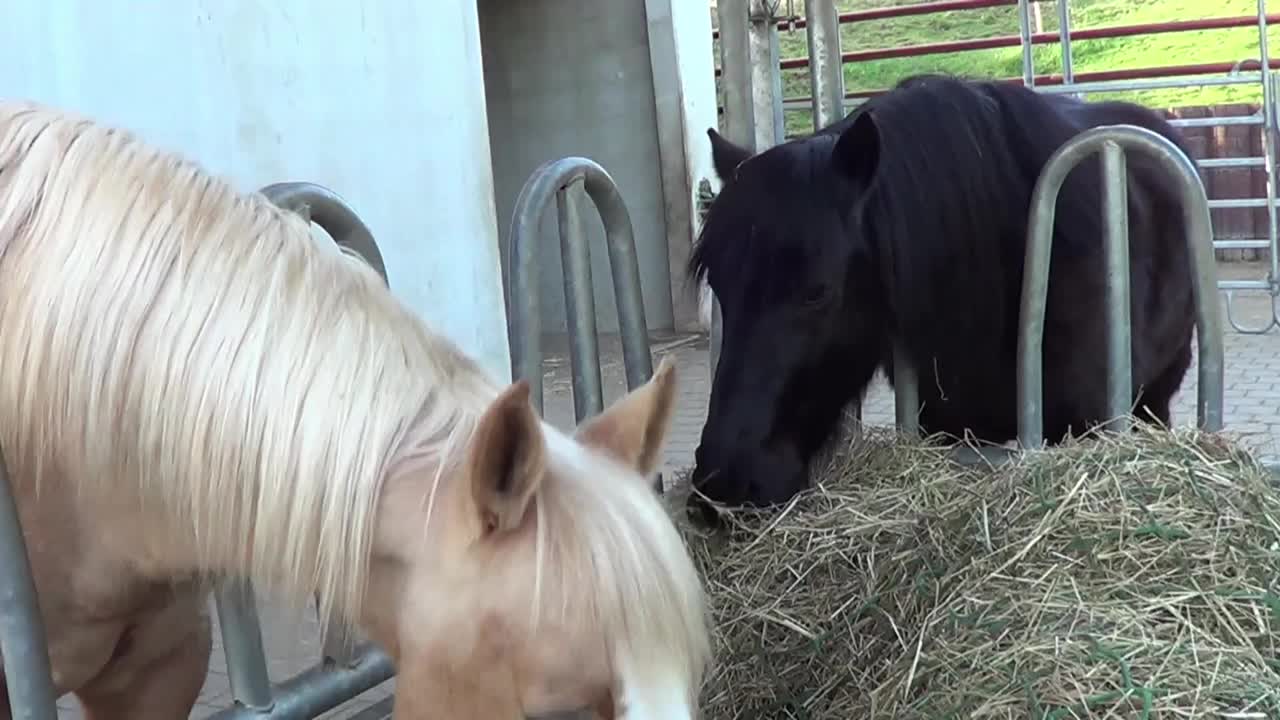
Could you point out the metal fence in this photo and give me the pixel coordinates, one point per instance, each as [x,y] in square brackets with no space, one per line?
[343,671]
[559,179]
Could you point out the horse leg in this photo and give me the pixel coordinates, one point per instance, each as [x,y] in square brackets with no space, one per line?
[159,667]
[1156,400]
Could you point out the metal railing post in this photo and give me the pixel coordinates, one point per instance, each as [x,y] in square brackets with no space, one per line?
[766,74]
[1024,32]
[237,610]
[1064,43]
[23,644]
[826,71]
[242,645]
[1112,141]
[557,178]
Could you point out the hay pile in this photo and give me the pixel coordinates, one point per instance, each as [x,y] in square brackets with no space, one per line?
[1132,577]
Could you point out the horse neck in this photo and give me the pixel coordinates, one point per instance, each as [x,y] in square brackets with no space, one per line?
[313,525]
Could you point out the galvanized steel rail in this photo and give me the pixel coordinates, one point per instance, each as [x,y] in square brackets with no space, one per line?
[22,639]
[1112,141]
[524,321]
[343,671]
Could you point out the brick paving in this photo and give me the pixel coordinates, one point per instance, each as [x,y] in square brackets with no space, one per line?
[1252,399]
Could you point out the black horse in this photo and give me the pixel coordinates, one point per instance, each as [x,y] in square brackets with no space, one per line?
[907,220]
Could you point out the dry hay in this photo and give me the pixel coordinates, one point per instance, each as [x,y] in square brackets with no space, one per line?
[1133,576]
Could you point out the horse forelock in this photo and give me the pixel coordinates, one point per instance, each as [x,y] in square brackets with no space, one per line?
[170,338]
[614,565]
[759,220]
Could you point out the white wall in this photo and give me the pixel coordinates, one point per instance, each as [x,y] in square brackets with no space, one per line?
[695,55]
[383,102]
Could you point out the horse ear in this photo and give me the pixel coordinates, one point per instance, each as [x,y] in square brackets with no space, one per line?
[857,151]
[507,460]
[633,429]
[725,156]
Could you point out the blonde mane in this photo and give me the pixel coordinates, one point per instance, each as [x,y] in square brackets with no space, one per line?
[172,342]
[618,539]
[170,339]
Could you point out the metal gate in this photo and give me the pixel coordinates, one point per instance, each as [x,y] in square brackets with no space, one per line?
[344,671]
[558,178]
[1112,142]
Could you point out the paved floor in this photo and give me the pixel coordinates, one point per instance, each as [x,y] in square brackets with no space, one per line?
[1252,410]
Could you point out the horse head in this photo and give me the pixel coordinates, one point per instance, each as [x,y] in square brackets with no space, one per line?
[554,580]
[786,250]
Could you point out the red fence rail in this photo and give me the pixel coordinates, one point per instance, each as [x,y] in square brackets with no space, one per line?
[898,11]
[1044,38]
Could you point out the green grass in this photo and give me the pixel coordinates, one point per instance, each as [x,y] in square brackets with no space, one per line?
[1204,46]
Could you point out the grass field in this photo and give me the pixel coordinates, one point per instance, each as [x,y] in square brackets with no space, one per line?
[1202,46]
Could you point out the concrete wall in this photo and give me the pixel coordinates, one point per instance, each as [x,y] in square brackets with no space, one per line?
[573,77]
[382,102]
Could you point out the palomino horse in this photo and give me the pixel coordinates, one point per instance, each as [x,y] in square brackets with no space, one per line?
[191,387]
[906,223]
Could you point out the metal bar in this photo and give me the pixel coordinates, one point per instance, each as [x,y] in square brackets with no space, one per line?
[1244,285]
[716,341]
[326,209]
[1167,76]
[237,611]
[525,321]
[1030,38]
[826,78]
[1225,121]
[1235,203]
[899,11]
[1232,162]
[1024,37]
[1115,242]
[23,644]
[1064,40]
[906,392]
[242,645]
[1268,141]
[1240,245]
[1199,238]
[1174,76]
[766,79]
[584,345]
[313,692]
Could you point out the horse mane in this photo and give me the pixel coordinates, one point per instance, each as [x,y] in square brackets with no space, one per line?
[171,340]
[618,539]
[950,202]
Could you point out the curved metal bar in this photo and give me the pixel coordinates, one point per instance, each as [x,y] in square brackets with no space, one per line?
[23,645]
[326,209]
[1273,321]
[237,610]
[523,311]
[319,689]
[1035,282]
